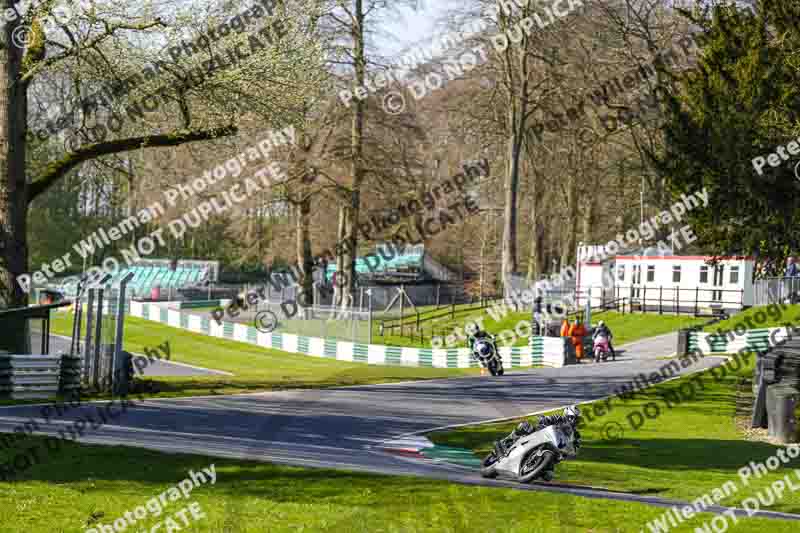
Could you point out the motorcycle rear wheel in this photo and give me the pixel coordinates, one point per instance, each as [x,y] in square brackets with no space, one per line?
[532,467]
[488,466]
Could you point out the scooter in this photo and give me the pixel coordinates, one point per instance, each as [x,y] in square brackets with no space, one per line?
[527,457]
[602,349]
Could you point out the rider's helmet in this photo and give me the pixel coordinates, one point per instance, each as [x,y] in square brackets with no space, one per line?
[524,428]
[573,411]
[472,328]
[601,324]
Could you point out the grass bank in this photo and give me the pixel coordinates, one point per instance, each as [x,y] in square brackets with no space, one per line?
[682,452]
[84,486]
[626,327]
[255,369]
[764,316]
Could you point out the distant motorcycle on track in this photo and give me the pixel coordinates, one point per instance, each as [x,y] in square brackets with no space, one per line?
[485,351]
[527,454]
[601,348]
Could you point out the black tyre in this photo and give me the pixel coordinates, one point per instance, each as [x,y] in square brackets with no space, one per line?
[493,368]
[501,371]
[532,466]
[488,466]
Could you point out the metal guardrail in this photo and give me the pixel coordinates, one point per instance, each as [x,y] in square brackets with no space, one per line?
[24,377]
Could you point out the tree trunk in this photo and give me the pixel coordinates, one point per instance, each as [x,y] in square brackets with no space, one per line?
[304,257]
[357,153]
[568,248]
[13,186]
[338,286]
[589,217]
[510,220]
[535,254]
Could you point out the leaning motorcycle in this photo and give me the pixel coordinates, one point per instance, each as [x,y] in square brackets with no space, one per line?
[485,351]
[535,455]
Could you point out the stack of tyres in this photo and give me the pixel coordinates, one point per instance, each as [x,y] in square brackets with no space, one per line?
[779,372]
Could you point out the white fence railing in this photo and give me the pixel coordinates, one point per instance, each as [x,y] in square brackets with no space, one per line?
[775,290]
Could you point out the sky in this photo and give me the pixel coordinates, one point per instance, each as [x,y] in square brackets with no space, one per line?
[413,26]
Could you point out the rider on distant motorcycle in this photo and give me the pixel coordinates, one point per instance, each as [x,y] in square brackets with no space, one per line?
[475,333]
[603,329]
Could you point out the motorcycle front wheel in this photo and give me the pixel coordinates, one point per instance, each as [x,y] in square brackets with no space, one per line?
[532,466]
[488,466]
[493,368]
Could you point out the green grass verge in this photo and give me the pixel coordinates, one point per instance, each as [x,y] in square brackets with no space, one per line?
[685,452]
[626,327]
[632,327]
[765,316]
[254,368]
[83,486]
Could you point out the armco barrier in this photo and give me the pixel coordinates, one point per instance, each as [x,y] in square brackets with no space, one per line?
[24,377]
[545,351]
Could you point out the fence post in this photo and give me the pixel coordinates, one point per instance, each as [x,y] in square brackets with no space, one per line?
[696,299]
[452,310]
[660,294]
[438,290]
[417,320]
[644,299]
[402,306]
[369,305]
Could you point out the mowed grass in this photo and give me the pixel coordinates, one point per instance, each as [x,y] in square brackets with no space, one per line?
[626,327]
[764,316]
[83,486]
[683,452]
[255,369]
[633,327]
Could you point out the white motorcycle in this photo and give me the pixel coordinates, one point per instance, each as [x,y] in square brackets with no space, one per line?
[528,454]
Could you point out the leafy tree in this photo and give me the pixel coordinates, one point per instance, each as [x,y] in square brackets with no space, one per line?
[742,102]
[138,52]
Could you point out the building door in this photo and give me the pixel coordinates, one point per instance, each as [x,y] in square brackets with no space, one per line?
[719,273]
[636,281]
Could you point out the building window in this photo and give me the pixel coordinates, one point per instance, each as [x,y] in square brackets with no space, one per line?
[676,273]
[621,272]
[651,273]
[734,274]
[703,274]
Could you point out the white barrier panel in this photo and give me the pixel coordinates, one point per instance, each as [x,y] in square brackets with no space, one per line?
[174,318]
[316,347]
[195,324]
[376,354]
[344,351]
[240,332]
[409,356]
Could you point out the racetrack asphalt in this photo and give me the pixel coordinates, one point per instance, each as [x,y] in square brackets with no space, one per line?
[346,427]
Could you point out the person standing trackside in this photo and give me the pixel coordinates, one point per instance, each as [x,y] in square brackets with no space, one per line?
[565,328]
[791,268]
[577,332]
[792,272]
